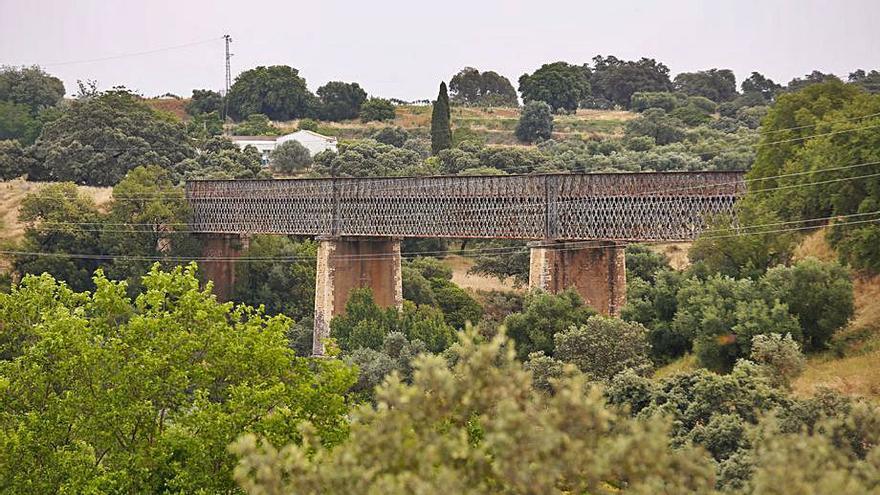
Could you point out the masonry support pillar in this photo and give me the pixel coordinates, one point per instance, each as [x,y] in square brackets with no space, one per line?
[595,269]
[346,263]
[219,252]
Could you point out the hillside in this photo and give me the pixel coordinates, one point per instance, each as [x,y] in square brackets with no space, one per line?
[493,125]
[12,192]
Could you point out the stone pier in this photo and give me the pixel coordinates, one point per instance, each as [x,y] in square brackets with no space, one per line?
[595,269]
[218,250]
[346,263]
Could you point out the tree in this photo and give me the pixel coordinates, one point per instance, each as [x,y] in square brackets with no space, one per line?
[469,423]
[615,80]
[138,397]
[560,85]
[643,100]
[470,87]
[276,91]
[654,304]
[14,162]
[441,132]
[819,294]
[16,122]
[780,356]
[341,101]
[30,86]
[98,140]
[655,123]
[367,158]
[722,314]
[220,158]
[290,157]
[543,316]
[602,347]
[718,85]
[256,124]
[870,81]
[377,109]
[758,83]
[536,122]
[283,287]
[204,101]
[395,136]
[815,77]
[59,219]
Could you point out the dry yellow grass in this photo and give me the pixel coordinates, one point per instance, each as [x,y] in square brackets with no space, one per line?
[677,252]
[12,192]
[681,365]
[460,266]
[815,245]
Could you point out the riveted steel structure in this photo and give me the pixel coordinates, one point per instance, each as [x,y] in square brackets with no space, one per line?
[354,215]
[671,206]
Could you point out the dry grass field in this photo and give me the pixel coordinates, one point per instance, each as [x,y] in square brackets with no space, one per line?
[12,192]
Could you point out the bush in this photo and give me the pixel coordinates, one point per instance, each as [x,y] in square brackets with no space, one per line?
[642,101]
[723,314]
[536,122]
[655,123]
[819,294]
[378,109]
[308,125]
[603,347]
[395,136]
[780,356]
[644,263]
[543,316]
[256,124]
[290,157]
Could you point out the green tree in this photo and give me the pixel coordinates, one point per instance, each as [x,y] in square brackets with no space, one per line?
[60,220]
[643,100]
[560,85]
[543,316]
[14,162]
[341,101]
[17,122]
[758,83]
[615,80]
[780,356]
[30,86]
[536,122]
[395,136]
[718,85]
[654,303]
[870,81]
[656,124]
[98,140]
[377,109]
[220,158]
[290,157]
[441,132]
[367,158]
[471,87]
[143,395]
[256,124]
[819,294]
[815,77]
[282,287]
[602,347]
[276,91]
[722,314]
[469,424]
[204,101]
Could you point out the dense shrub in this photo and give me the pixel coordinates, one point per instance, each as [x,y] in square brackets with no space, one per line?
[780,356]
[377,109]
[543,316]
[603,347]
[536,122]
[290,157]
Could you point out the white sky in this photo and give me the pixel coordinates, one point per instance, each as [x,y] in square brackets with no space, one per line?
[397,48]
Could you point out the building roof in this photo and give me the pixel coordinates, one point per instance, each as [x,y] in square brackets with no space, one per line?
[253,138]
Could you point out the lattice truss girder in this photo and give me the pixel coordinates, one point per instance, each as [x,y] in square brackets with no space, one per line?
[619,206]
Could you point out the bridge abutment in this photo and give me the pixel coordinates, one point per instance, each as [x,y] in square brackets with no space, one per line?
[595,269]
[219,251]
[347,263]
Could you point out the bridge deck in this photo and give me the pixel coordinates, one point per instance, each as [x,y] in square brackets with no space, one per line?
[615,206]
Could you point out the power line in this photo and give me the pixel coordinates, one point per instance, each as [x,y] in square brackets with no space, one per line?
[132,54]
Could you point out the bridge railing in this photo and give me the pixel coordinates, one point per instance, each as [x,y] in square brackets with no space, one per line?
[621,206]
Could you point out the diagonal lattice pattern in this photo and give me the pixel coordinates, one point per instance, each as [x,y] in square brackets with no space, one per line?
[618,206]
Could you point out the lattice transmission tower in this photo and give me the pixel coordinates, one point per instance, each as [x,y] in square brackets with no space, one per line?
[228,40]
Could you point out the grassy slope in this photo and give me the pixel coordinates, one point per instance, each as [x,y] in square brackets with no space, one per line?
[12,192]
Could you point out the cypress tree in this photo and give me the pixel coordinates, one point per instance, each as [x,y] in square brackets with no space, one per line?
[441,132]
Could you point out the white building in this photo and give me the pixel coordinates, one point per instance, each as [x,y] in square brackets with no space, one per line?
[313,142]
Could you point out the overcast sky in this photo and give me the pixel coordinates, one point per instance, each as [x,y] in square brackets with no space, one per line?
[404,48]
